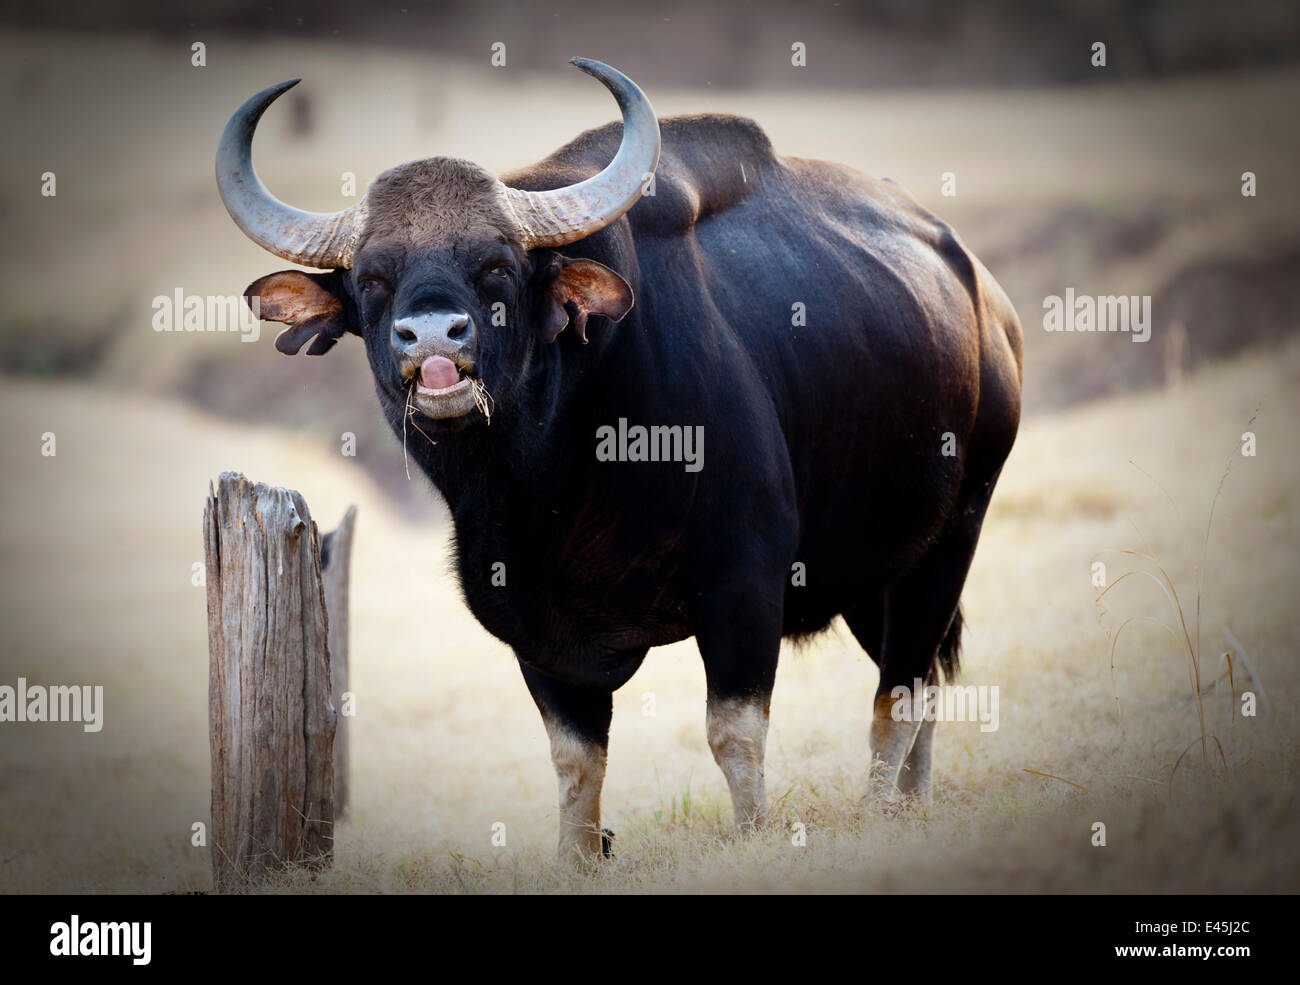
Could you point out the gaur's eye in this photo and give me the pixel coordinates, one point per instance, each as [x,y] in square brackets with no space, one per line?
[499,272]
[368,285]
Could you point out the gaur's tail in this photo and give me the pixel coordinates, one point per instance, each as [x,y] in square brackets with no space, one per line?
[950,648]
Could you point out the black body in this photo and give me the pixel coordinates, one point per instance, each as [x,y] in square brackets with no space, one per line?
[824,443]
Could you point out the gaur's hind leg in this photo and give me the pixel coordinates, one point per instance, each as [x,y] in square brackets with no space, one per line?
[919,613]
[914,777]
[921,632]
[867,623]
[577,723]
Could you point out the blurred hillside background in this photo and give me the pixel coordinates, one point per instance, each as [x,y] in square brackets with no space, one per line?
[1117,180]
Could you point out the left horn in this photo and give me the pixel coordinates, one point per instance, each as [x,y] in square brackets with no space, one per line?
[565,215]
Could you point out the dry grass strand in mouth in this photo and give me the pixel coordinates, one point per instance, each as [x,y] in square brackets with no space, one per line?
[409,418]
[410,388]
[421,430]
[482,399]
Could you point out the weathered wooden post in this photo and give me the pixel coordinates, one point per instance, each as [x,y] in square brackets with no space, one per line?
[271,723]
[335,562]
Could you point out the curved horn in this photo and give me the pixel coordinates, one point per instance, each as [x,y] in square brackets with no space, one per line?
[314,239]
[564,215]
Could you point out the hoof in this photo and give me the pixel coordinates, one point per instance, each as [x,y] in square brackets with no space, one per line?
[606,843]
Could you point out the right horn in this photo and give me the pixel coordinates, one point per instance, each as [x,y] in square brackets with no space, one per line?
[314,239]
[565,215]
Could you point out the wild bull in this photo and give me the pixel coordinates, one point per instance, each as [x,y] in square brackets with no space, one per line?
[851,371]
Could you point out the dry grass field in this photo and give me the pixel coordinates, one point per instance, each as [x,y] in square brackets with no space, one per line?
[446,741]
[1107,190]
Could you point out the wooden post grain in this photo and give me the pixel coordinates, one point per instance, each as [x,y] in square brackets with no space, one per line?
[271,723]
[336,561]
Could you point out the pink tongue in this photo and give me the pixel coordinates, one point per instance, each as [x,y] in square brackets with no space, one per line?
[438,373]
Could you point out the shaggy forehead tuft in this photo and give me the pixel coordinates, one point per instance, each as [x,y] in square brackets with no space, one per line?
[440,197]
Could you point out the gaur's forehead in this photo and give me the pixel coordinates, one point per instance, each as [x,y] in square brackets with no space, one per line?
[440,199]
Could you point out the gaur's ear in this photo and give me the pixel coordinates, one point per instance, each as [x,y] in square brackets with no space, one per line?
[582,288]
[310,304]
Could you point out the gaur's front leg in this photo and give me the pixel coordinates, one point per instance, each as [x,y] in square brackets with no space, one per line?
[577,723]
[737,733]
[740,647]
